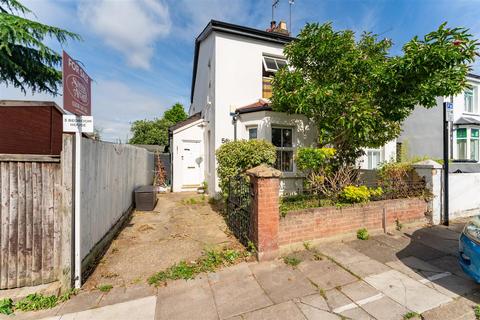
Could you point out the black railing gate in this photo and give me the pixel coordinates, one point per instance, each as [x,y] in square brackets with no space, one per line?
[238,208]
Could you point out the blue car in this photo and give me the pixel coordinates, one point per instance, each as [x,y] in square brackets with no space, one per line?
[469,249]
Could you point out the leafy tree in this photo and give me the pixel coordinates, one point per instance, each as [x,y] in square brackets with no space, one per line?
[25,61]
[156,131]
[357,93]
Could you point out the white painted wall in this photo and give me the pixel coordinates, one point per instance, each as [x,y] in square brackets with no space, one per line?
[110,173]
[463,194]
[388,153]
[189,133]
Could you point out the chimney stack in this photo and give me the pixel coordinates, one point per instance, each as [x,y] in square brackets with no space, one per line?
[280,28]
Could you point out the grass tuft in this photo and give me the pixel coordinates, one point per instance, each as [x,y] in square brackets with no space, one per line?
[105,287]
[210,261]
[410,315]
[477,311]
[292,261]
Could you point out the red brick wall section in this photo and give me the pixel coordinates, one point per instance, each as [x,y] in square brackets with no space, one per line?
[316,223]
[265,216]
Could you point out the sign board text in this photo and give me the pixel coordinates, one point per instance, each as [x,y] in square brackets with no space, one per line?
[76,88]
[72,123]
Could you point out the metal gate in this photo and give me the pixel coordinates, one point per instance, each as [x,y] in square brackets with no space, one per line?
[238,208]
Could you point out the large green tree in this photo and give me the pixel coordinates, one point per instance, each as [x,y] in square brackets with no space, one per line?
[156,131]
[357,93]
[25,61]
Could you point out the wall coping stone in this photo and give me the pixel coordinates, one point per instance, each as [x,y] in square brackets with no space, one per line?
[264,171]
[427,164]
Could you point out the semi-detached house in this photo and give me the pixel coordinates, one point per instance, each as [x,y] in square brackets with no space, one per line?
[231,85]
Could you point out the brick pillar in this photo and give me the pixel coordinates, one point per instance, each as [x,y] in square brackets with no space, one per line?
[265,213]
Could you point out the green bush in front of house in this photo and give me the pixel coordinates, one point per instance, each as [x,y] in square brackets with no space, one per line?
[235,157]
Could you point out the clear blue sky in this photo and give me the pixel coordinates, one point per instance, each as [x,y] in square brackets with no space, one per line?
[140,52]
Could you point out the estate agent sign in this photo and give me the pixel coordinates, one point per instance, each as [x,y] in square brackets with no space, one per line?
[76,88]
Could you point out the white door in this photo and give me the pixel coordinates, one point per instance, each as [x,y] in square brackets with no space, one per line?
[191,160]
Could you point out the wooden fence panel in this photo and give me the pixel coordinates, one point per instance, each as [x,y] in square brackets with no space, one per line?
[31,223]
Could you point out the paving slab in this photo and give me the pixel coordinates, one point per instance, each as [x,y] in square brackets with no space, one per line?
[335,299]
[342,253]
[192,299]
[82,301]
[236,291]
[415,268]
[312,313]
[396,241]
[454,310]
[453,286]
[315,300]
[366,268]
[140,309]
[285,310]
[282,282]
[357,314]
[450,264]
[375,250]
[326,274]
[406,291]
[438,238]
[385,309]
[359,290]
[418,249]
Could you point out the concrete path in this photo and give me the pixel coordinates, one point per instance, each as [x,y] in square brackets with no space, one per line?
[385,277]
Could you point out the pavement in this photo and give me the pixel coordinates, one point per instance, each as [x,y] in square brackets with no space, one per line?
[390,276]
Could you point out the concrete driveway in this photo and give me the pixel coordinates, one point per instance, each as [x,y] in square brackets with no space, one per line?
[393,276]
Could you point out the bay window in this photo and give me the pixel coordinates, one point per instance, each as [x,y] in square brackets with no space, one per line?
[468,143]
[282,139]
[474,144]
[462,143]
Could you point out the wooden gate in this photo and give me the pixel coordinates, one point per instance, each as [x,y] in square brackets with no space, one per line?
[31,244]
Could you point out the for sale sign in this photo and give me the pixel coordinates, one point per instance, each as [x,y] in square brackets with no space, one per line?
[76,88]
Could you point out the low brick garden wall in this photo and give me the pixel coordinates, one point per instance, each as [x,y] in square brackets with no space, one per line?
[317,223]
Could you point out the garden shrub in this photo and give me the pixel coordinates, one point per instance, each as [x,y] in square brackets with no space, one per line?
[362,234]
[361,194]
[235,157]
[316,163]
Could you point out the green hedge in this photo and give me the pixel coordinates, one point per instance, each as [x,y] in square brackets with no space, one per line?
[235,157]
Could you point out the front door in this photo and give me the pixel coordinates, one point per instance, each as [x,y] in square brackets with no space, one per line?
[191,159]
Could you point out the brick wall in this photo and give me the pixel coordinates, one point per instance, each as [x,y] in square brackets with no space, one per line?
[316,223]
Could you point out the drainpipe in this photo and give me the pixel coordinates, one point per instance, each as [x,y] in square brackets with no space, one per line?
[234,119]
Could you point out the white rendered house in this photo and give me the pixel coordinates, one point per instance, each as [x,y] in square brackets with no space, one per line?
[232,72]
[422,131]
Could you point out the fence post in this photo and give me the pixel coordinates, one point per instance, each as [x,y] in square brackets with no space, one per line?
[432,172]
[265,213]
[66,256]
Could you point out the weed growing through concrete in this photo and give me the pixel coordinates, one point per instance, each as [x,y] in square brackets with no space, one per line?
[38,301]
[105,287]
[209,262]
[6,306]
[292,261]
[307,245]
[398,225]
[410,315]
[362,234]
